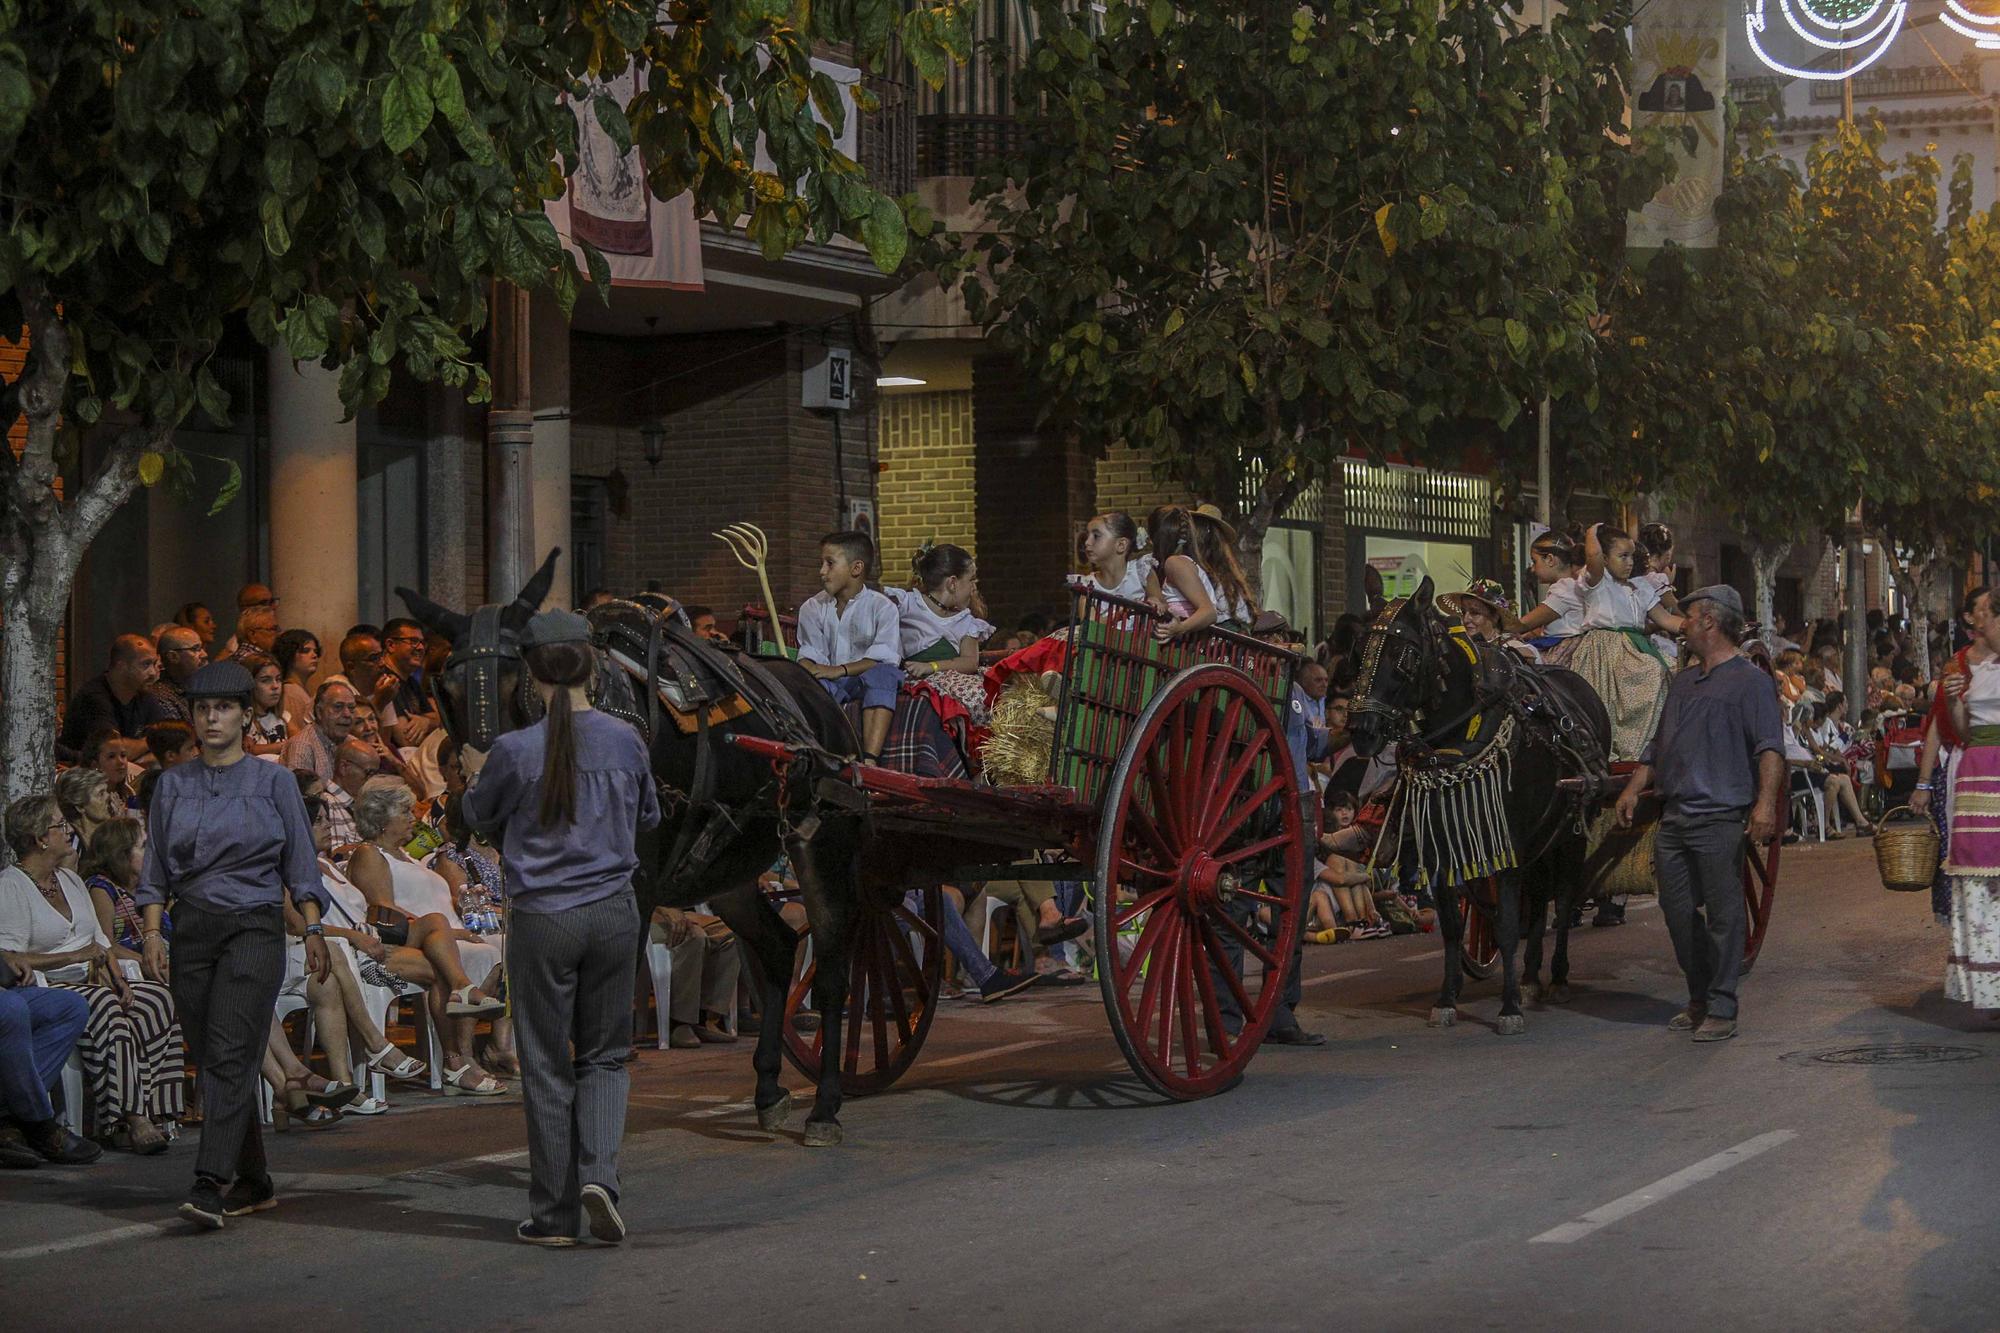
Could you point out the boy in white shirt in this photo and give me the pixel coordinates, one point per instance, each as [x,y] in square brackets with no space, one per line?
[849,637]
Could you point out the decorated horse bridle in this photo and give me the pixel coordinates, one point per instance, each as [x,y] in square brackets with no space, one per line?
[1406,650]
[484,650]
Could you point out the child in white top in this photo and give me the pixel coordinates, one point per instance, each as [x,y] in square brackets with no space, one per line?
[850,637]
[1656,559]
[1110,547]
[1193,593]
[940,627]
[1613,652]
[1556,562]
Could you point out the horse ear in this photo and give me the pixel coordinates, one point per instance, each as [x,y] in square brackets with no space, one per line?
[433,617]
[532,593]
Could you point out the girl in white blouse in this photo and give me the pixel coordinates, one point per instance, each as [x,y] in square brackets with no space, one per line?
[939,625]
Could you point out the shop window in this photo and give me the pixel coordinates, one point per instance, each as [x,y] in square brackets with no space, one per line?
[1289,579]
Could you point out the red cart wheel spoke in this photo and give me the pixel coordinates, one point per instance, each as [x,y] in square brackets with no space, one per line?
[1280,782]
[1149,938]
[1127,866]
[1249,850]
[1154,964]
[1145,904]
[1250,942]
[1163,812]
[1760,888]
[1149,830]
[1218,957]
[1222,794]
[1184,992]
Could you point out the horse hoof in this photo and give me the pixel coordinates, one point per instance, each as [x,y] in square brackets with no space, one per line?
[1511,1025]
[1443,1018]
[1557,994]
[772,1118]
[822,1133]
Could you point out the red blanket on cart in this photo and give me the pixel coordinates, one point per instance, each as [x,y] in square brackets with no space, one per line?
[1043,655]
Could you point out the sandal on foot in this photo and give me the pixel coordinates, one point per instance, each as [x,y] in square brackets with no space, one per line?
[1066,929]
[459,1082]
[407,1069]
[124,1138]
[332,1096]
[462,1005]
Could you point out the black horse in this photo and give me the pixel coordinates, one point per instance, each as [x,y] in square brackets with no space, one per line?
[1483,741]
[727,815]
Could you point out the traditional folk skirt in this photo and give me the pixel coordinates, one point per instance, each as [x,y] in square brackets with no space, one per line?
[1972,968]
[1631,679]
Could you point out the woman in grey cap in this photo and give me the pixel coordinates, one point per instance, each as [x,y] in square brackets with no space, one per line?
[568,796]
[226,837]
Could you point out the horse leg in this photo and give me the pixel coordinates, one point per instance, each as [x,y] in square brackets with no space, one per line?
[769,947]
[1569,888]
[1445,1012]
[1512,1023]
[1535,899]
[828,876]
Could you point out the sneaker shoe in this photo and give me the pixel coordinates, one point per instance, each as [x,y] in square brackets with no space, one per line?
[1002,984]
[1609,914]
[528,1234]
[204,1206]
[601,1211]
[245,1197]
[1688,1019]
[1715,1029]
[1294,1036]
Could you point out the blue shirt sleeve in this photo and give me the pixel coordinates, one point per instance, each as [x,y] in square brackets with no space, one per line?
[300,857]
[152,887]
[1765,718]
[489,800]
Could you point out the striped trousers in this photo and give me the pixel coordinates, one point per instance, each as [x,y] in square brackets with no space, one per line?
[132,1057]
[569,976]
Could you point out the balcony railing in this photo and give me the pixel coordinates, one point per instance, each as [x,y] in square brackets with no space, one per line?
[888,134]
[1932,80]
[960,143]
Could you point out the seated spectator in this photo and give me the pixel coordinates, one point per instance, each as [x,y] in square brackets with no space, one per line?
[86,802]
[1825,742]
[181,655]
[360,646]
[102,753]
[1341,894]
[708,962]
[298,1095]
[256,631]
[250,596]
[389,759]
[388,877]
[147,781]
[197,617]
[131,1045]
[311,749]
[268,728]
[171,743]
[297,653]
[701,620]
[1034,911]
[112,860]
[39,1027]
[408,715]
[473,868]
[121,700]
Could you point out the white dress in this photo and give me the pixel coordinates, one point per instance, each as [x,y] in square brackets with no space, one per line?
[421,891]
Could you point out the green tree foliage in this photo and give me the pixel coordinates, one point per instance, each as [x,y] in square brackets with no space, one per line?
[1248,232]
[348,179]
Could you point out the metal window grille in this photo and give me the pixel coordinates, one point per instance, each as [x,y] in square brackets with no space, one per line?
[1399,499]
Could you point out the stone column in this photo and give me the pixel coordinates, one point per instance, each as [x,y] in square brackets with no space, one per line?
[315,514]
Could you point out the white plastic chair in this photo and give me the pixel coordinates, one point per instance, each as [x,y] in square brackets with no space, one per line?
[660,962]
[1807,799]
[75,1103]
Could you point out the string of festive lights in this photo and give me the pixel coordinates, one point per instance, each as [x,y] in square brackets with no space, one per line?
[1859,30]
[1983,29]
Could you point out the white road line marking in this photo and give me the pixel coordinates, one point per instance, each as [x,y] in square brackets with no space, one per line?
[1422,957]
[1705,1169]
[86,1240]
[986,1054]
[1336,976]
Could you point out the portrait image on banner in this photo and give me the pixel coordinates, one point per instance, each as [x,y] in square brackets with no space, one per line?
[647,242]
[1680,54]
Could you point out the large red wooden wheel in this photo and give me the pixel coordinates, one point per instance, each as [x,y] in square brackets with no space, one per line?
[1201,837]
[1479,946]
[893,979]
[1760,886]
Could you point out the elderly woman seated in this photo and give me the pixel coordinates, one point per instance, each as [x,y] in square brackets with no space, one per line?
[131,1047]
[392,881]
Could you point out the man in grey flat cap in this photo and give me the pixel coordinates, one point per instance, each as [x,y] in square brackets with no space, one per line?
[1718,762]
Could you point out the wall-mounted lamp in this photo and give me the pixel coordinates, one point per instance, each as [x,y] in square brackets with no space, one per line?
[653,440]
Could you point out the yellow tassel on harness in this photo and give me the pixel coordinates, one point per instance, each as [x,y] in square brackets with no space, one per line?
[1457,635]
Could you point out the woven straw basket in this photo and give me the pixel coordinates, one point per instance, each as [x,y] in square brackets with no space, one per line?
[1906,854]
[1630,870]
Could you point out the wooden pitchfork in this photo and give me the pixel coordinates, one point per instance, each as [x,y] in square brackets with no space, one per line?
[746,541]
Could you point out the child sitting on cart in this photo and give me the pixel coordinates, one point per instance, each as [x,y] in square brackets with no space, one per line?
[850,637]
[1613,652]
[940,627]
[1196,583]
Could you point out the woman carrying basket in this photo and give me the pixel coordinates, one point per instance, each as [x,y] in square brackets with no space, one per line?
[1972,694]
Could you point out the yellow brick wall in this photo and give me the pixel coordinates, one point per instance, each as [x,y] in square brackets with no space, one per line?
[925,491]
[1125,480]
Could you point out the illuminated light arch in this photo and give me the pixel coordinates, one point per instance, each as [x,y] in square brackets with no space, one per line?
[1862,29]
[1983,29]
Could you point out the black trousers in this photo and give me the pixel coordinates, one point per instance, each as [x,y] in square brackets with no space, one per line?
[227,968]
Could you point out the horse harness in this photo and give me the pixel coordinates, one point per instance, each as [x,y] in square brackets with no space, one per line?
[484,650]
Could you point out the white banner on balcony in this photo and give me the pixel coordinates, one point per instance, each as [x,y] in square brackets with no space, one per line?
[1680,54]
[646,242]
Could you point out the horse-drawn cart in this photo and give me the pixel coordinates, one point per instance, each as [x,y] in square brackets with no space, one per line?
[1170,792]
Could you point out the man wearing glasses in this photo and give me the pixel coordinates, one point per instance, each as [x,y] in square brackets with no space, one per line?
[314,748]
[181,655]
[409,715]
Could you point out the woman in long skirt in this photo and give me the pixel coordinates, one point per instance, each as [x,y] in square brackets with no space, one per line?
[1972,969]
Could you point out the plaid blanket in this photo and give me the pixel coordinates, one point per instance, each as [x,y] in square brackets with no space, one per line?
[920,742]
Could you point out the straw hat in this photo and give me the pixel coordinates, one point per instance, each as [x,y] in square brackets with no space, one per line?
[1487,593]
[1214,515]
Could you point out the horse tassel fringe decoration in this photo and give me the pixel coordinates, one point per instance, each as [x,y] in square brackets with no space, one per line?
[746,541]
[1455,816]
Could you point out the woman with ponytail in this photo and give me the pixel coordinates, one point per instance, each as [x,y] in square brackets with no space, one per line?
[568,797]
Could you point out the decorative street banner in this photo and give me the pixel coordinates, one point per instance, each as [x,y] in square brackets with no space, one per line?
[646,242]
[1681,52]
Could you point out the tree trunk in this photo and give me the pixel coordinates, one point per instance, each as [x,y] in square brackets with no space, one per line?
[1913,578]
[1855,667]
[1764,561]
[42,541]
[1280,487]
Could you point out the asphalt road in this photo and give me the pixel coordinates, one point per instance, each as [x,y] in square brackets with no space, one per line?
[1597,1173]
